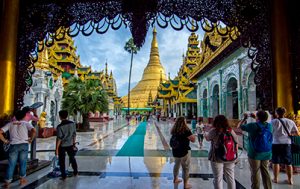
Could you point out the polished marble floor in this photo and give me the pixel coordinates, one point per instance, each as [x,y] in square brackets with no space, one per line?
[100,167]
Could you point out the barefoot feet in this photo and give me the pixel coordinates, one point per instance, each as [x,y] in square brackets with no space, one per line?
[186,186]
[23,181]
[177,180]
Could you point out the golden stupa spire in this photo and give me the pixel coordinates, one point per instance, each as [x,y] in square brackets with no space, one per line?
[154,52]
[154,41]
[153,75]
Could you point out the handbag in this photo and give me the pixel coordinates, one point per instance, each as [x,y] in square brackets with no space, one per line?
[75,148]
[295,148]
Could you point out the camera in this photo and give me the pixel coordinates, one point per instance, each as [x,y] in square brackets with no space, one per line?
[248,114]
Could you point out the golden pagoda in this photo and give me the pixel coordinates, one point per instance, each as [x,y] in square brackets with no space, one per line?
[153,75]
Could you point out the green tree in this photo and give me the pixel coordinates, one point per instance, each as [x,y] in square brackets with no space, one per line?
[132,49]
[84,97]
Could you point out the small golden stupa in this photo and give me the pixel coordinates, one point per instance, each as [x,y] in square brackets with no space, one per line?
[153,75]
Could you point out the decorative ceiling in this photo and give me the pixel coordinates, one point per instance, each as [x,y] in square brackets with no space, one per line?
[42,22]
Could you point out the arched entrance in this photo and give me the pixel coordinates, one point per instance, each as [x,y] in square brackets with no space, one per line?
[232,105]
[215,101]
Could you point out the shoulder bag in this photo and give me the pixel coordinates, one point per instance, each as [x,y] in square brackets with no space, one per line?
[294,147]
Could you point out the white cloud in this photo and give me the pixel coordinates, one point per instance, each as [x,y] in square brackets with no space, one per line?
[96,49]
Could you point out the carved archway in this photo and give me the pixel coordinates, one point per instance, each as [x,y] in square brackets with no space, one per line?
[40,19]
[215,101]
[232,98]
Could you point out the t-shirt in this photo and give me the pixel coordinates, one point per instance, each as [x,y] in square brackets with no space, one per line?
[66,131]
[200,129]
[184,144]
[253,129]
[18,131]
[280,136]
[213,136]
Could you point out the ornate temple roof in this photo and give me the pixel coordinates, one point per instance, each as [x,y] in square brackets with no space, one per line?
[214,48]
[61,59]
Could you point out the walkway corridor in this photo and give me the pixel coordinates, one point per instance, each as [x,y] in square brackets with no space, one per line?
[138,156]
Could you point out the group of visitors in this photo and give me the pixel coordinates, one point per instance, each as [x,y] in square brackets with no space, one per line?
[22,133]
[267,142]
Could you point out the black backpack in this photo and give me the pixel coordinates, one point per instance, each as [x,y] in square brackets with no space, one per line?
[174,142]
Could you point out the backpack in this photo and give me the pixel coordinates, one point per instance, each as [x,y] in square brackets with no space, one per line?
[174,142]
[226,150]
[262,142]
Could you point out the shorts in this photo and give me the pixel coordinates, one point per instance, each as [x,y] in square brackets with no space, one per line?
[281,154]
[200,137]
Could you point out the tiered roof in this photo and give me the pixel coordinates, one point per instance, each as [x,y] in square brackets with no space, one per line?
[214,48]
[196,61]
[61,59]
[181,89]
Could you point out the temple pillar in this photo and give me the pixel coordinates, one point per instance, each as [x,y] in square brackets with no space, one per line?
[8,51]
[282,68]
[208,99]
[240,90]
[220,92]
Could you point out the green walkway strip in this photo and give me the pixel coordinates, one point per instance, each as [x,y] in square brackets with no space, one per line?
[134,146]
[147,153]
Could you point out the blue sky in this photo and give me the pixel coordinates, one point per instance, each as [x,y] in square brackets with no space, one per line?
[96,49]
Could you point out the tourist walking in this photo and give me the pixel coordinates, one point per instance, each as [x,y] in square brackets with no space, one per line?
[223,152]
[259,148]
[18,149]
[180,144]
[157,116]
[65,142]
[200,133]
[283,128]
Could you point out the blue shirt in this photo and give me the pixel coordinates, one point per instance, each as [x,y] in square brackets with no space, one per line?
[193,123]
[252,130]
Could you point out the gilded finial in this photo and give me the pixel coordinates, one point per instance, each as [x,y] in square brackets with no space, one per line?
[106,67]
[154,30]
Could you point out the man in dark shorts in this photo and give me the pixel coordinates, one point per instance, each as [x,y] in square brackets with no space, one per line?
[281,148]
[65,141]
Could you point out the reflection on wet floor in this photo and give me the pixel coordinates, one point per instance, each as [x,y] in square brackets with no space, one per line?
[99,167]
